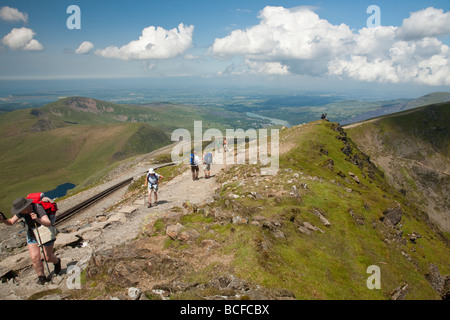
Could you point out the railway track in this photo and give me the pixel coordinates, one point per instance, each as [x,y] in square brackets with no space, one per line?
[64,216]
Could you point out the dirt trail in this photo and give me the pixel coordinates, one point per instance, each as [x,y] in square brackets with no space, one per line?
[348,126]
[171,194]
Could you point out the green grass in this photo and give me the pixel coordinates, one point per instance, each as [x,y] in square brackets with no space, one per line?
[41,161]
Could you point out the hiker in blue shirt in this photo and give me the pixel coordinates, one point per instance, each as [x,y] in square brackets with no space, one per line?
[194,161]
[152,181]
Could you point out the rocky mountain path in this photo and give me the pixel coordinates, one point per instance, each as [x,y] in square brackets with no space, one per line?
[171,194]
[100,229]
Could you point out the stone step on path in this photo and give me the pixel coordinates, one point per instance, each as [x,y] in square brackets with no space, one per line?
[128,209]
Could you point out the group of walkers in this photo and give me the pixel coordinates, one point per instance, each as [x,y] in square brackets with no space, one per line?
[222,145]
[39,218]
[195,161]
[152,179]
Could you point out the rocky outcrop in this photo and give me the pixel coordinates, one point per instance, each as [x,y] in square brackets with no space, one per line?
[440,283]
[394,215]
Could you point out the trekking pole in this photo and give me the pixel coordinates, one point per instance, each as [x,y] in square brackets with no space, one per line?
[42,247]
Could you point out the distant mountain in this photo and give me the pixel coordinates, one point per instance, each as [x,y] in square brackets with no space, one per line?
[71,140]
[300,109]
[166,116]
[413,149]
[395,106]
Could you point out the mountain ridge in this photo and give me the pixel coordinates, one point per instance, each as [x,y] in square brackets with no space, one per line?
[413,149]
[64,137]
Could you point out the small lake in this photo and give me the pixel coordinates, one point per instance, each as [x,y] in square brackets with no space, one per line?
[60,191]
[273,120]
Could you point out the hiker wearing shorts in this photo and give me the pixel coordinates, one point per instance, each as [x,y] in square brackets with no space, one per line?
[152,181]
[225,145]
[34,216]
[207,161]
[194,161]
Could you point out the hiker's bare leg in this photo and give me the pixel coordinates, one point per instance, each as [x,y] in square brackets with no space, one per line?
[149,198]
[49,254]
[35,255]
[156,198]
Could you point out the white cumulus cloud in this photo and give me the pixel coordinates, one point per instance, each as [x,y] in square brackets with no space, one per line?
[84,48]
[298,41]
[13,15]
[430,22]
[272,68]
[22,39]
[154,43]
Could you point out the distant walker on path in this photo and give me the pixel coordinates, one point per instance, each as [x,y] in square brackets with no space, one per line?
[194,161]
[207,161]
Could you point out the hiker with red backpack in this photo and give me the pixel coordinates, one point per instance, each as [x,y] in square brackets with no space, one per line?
[48,204]
[35,216]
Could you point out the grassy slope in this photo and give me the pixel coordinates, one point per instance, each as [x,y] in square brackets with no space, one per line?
[329,265]
[413,148]
[39,161]
[333,265]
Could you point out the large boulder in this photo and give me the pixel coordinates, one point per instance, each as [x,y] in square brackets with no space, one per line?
[394,215]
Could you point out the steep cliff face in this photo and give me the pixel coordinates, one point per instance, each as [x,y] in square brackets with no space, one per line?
[413,150]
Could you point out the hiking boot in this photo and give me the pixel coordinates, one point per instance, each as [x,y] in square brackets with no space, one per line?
[57,265]
[155,204]
[149,205]
[42,280]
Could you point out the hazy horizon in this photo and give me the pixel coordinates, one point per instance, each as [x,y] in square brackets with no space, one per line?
[395,49]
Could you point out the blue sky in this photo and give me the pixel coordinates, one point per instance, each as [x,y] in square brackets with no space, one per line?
[303,44]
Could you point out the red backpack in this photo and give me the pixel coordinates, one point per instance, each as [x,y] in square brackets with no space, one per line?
[49,206]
